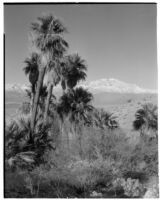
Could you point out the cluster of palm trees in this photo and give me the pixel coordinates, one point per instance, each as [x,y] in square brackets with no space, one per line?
[51,60]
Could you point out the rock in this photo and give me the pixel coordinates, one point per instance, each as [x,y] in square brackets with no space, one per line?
[96,194]
[152,188]
[151,193]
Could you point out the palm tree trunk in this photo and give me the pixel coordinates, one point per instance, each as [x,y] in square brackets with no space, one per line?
[80,141]
[63,85]
[48,101]
[68,142]
[32,102]
[80,146]
[61,134]
[36,100]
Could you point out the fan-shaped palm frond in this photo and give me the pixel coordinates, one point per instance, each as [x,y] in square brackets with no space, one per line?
[32,68]
[146,117]
[48,30]
[20,143]
[48,24]
[103,119]
[73,70]
[76,103]
[23,160]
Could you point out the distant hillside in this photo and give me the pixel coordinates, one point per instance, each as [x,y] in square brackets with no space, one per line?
[124,106]
[104,99]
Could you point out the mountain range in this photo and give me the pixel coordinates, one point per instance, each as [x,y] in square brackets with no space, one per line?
[108,94]
[110,85]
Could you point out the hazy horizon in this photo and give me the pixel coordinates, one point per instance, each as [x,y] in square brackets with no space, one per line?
[116,40]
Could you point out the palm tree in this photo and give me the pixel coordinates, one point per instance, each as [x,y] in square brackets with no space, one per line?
[46,38]
[32,69]
[73,70]
[146,118]
[20,142]
[103,119]
[76,105]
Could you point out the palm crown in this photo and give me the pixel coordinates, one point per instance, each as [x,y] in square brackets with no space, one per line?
[104,119]
[47,31]
[146,117]
[73,70]
[75,103]
[47,38]
[32,68]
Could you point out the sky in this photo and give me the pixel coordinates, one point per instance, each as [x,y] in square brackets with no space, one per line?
[116,40]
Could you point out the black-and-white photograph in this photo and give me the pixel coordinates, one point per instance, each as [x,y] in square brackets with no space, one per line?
[81,100]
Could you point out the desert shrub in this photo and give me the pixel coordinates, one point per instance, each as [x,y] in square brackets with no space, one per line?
[113,144]
[140,158]
[56,182]
[146,151]
[107,141]
[90,174]
[73,179]
[129,100]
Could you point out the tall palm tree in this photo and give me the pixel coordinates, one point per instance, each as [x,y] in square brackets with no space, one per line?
[76,104]
[73,70]
[146,118]
[32,69]
[46,38]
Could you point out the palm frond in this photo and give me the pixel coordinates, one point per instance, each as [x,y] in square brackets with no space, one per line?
[73,69]
[22,148]
[48,30]
[146,116]
[76,104]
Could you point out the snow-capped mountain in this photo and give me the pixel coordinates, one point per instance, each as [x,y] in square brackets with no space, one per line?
[110,85]
[16,87]
[114,86]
